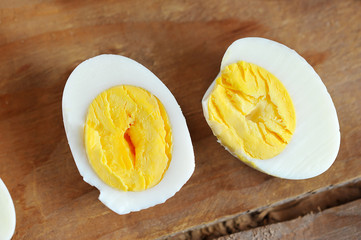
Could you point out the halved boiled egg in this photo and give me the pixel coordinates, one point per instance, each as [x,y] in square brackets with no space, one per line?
[269,108]
[126,132]
[7,213]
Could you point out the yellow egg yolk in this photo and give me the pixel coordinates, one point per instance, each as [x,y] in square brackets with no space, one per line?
[128,138]
[251,112]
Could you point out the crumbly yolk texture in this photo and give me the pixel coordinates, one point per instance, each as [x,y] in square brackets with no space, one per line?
[251,112]
[128,138]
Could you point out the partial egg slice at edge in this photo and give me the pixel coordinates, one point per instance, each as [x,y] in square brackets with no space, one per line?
[316,140]
[7,213]
[87,81]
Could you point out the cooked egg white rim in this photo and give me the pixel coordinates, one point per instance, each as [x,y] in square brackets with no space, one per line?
[7,213]
[316,140]
[101,73]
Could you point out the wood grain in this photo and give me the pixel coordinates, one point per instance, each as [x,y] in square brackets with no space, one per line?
[338,223]
[314,202]
[182,42]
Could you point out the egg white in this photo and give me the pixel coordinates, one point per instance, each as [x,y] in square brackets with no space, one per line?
[100,73]
[7,213]
[316,140]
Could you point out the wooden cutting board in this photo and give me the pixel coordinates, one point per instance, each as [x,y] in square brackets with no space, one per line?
[342,222]
[182,42]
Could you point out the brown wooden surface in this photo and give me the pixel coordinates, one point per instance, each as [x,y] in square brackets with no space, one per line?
[182,42]
[314,202]
[338,223]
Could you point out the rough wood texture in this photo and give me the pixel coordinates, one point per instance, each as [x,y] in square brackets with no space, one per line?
[312,203]
[182,42]
[343,222]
